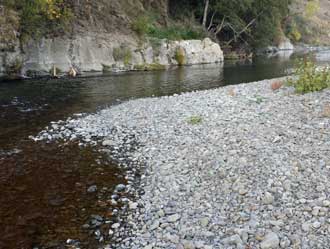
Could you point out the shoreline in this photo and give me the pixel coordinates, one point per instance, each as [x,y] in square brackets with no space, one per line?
[231,167]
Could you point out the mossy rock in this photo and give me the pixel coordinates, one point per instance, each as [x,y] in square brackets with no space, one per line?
[149,67]
[108,68]
[155,66]
[140,67]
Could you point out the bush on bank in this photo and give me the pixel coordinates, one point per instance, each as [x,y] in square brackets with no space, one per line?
[309,77]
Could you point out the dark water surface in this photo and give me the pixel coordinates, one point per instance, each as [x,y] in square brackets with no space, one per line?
[43,199]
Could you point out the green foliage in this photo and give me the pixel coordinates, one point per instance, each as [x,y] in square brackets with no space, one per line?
[41,17]
[309,77]
[195,120]
[147,25]
[311,8]
[141,25]
[176,32]
[149,67]
[293,31]
[155,66]
[266,17]
[180,56]
[258,99]
[122,53]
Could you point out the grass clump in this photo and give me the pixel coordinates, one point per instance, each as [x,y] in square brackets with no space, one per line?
[180,56]
[40,18]
[310,78]
[122,53]
[195,120]
[147,26]
[141,25]
[149,67]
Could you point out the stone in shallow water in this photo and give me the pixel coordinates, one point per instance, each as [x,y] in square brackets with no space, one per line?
[92,189]
[120,188]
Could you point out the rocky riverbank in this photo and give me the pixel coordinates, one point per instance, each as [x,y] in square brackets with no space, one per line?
[104,52]
[236,167]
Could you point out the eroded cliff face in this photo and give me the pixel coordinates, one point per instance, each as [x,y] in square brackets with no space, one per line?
[105,52]
[101,39]
[317,26]
[112,15]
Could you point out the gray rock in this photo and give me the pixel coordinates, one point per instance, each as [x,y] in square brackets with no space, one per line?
[270,241]
[154,225]
[92,189]
[120,188]
[115,226]
[173,218]
[268,198]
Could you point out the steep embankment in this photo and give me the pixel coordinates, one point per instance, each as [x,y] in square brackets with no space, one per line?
[100,38]
[315,25]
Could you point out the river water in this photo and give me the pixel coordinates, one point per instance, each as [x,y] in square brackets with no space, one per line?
[43,198]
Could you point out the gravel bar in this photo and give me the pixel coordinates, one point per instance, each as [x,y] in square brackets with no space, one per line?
[241,166]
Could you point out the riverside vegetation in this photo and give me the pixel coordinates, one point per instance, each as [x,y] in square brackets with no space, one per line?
[233,23]
[309,77]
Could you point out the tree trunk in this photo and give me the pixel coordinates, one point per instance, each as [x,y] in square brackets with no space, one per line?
[206,8]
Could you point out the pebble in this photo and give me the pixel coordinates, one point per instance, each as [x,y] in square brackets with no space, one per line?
[173,218]
[271,241]
[92,189]
[249,174]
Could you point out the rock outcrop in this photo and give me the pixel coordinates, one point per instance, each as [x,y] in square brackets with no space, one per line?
[108,52]
[285,44]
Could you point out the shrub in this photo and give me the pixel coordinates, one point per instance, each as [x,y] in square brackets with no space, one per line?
[122,53]
[293,32]
[147,26]
[309,77]
[141,25]
[180,56]
[258,99]
[194,120]
[41,17]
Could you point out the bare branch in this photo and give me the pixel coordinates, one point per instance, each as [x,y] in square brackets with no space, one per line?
[219,28]
[211,22]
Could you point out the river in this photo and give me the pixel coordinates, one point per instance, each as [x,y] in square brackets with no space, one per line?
[43,199]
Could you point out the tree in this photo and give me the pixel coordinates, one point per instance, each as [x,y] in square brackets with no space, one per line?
[206,8]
